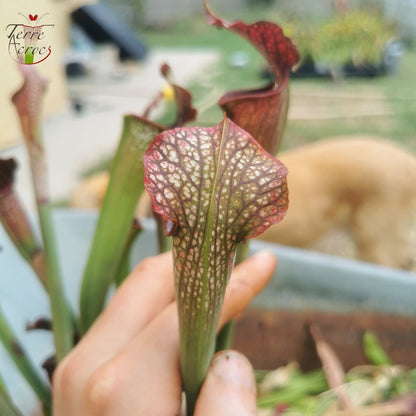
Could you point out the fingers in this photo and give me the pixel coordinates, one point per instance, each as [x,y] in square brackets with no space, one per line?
[148,366]
[229,388]
[140,298]
[143,376]
[147,290]
[130,357]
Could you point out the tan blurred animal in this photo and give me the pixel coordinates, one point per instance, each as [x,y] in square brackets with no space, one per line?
[364,186]
[90,193]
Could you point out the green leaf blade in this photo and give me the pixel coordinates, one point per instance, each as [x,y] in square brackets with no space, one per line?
[28,101]
[114,223]
[374,351]
[17,353]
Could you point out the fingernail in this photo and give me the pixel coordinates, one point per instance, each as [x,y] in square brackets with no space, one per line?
[265,259]
[264,254]
[232,367]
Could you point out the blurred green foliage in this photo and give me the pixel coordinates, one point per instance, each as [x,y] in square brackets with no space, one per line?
[357,36]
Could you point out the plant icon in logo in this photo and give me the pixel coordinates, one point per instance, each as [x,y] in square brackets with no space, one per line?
[28,43]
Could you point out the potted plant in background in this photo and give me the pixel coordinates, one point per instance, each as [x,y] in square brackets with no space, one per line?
[354,42]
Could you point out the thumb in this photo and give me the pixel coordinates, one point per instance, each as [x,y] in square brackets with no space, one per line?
[229,388]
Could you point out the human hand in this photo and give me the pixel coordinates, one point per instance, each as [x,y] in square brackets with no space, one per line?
[128,362]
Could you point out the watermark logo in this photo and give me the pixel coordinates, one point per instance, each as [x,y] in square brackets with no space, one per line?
[29,43]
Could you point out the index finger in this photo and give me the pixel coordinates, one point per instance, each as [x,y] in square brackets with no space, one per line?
[147,291]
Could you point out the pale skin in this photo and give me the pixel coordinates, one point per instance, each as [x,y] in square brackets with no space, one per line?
[128,362]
